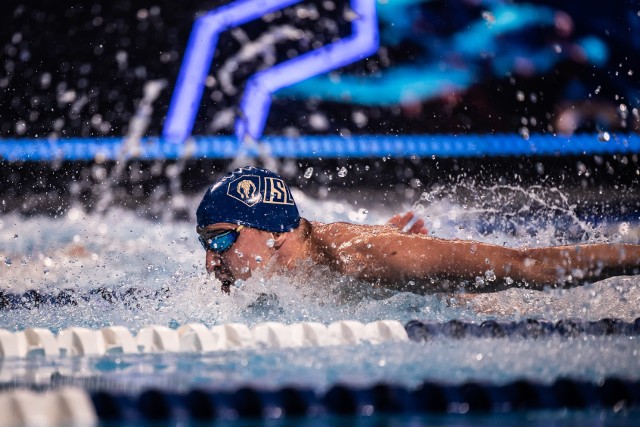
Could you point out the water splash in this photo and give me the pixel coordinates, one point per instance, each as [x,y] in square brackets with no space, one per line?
[119,250]
[505,214]
[131,146]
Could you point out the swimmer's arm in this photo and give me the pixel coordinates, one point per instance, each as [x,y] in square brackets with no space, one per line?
[397,257]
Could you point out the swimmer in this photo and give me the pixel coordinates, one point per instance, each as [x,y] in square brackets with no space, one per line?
[248,220]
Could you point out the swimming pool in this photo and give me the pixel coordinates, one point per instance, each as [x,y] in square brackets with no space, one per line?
[163,261]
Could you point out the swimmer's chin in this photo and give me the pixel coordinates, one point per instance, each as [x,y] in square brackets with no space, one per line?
[227,280]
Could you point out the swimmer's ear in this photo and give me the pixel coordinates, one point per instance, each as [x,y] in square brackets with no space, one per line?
[279,239]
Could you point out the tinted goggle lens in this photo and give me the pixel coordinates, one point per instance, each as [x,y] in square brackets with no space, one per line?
[220,242]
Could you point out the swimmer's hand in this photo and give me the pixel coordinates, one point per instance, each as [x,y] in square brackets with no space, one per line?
[401,221]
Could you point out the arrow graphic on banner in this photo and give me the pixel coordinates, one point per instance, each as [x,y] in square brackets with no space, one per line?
[256,100]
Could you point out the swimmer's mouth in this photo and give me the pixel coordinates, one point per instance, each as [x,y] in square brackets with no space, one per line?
[226,278]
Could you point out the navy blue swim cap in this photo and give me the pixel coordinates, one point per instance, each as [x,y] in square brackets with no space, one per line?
[250,196]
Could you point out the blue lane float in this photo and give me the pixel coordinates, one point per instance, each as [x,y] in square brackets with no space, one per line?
[73,406]
[32,299]
[330,146]
[379,399]
[528,328]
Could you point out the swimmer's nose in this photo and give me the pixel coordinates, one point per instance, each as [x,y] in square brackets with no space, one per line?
[212,262]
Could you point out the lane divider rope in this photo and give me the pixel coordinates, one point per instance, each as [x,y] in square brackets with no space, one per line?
[78,407]
[195,337]
[430,397]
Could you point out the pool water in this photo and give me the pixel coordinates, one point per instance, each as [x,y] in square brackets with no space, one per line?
[124,249]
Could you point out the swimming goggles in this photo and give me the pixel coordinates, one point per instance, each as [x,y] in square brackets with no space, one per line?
[220,242]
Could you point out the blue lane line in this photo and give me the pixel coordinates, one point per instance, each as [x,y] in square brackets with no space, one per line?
[226,147]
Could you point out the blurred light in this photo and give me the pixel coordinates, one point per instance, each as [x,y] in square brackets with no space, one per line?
[403,146]
[595,50]
[256,101]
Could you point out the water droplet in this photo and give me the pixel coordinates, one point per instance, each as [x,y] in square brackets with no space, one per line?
[489,18]
[623,228]
[520,95]
[271,243]
[258,259]
[238,283]
[604,136]
[308,173]
[8,261]
[490,275]
[508,280]
[15,236]
[342,172]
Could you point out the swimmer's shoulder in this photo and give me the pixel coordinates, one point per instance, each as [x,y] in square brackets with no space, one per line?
[331,235]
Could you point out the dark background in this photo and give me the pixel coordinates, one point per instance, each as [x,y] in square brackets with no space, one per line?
[78,69]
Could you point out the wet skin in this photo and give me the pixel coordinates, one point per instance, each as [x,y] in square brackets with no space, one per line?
[255,248]
[252,249]
[392,257]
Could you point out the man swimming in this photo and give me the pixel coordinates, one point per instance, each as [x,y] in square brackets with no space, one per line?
[248,219]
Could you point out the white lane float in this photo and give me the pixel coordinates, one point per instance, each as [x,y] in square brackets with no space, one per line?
[64,407]
[195,337]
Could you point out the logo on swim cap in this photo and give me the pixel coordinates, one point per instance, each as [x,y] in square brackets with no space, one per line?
[250,196]
[246,189]
[276,192]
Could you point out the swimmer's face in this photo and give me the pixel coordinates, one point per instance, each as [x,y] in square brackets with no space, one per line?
[249,252]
